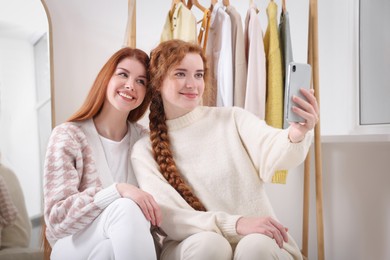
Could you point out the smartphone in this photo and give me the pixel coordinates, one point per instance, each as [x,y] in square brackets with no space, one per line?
[298,76]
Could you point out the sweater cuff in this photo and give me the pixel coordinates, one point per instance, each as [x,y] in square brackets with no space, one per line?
[228,227]
[106,196]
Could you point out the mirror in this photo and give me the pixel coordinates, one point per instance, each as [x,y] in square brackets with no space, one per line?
[25,94]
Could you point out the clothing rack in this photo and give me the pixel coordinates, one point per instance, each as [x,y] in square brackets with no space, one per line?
[313,61]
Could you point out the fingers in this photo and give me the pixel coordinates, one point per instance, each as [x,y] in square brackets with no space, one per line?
[144,200]
[276,231]
[263,225]
[145,210]
[308,110]
[151,210]
[312,100]
[155,212]
[281,229]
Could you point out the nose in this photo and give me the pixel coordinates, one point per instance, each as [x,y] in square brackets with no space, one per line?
[129,85]
[190,83]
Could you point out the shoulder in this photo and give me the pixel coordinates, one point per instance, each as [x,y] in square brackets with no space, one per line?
[68,127]
[137,131]
[69,131]
[142,149]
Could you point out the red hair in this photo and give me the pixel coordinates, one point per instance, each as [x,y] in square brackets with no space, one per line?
[163,59]
[97,94]
[95,100]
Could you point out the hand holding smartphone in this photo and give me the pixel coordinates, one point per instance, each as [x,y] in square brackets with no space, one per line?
[298,76]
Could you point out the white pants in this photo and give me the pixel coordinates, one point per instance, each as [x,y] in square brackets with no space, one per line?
[121,232]
[212,246]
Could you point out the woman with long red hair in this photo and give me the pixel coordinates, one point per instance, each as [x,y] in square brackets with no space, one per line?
[207,166]
[93,208]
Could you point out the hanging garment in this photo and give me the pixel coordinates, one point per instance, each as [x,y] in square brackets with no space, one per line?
[255,56]
[204,29]
[287,56]
[180,24]
[238,55]
[219,55]
[130,34]
[274,102]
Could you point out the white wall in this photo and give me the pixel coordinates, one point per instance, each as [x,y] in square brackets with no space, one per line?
[18,119]
[86,32]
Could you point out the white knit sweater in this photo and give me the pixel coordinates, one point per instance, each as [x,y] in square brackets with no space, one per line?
[226,155]
[78,184]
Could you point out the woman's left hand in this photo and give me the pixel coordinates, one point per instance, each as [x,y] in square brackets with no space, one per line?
[306,109]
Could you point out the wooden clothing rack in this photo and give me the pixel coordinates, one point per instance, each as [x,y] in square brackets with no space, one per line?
[313,61]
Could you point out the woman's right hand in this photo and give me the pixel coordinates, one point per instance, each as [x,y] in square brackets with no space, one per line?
[144,200]
[265,225]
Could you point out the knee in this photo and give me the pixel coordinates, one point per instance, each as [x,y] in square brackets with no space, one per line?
[254,245]
[209,245]
[129,210]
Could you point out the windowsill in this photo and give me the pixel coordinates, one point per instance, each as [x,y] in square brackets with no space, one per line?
[356,138]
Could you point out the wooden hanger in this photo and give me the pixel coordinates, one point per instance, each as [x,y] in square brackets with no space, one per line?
[195,3]
[213,2]
[226,2]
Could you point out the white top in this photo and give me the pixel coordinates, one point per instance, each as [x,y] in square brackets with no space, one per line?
[117,157]
[219,52]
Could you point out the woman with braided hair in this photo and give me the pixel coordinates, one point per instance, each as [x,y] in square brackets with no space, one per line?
[207,166]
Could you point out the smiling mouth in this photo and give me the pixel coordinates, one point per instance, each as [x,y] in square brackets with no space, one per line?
[126,96]
[191,95]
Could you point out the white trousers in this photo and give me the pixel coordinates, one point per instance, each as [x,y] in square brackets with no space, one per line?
[212,246]
[121,232]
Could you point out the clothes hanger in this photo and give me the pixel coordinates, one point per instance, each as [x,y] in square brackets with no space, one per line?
[174,3]
[213,2]
[284,9]
[226,2]
[251,3]
[195,3]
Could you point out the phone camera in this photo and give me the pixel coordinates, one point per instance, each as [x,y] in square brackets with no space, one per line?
[294,68]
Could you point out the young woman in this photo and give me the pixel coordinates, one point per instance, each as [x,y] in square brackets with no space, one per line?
[206,166]
[93,207]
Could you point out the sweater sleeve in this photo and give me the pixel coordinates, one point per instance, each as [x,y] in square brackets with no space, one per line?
[73,194]
[179,219]
[269,148]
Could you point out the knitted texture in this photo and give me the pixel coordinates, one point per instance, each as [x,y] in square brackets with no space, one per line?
[274,103]
[8,211]
[70,183]
[226,167]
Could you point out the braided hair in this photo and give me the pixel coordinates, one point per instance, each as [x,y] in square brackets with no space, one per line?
[164,58]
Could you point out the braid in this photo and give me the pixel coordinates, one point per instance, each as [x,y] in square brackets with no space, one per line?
[163,154]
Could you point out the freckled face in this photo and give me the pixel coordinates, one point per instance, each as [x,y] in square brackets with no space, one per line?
[127,87]
[183,87]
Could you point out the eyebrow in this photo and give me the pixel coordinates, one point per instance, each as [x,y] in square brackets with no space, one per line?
[141,76]
[180,69]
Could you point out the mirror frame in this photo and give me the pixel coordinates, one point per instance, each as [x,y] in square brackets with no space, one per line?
[51,63]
